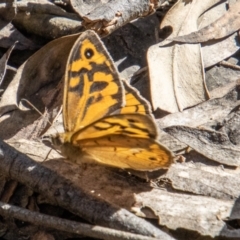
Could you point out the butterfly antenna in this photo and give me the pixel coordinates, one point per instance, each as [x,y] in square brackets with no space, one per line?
[42,114]
[51,124]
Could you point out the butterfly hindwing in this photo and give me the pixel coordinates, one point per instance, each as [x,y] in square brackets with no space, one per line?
[92,88]
[134,102]
[131,125]
[128,152]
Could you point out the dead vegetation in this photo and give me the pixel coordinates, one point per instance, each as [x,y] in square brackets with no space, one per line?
[184,59]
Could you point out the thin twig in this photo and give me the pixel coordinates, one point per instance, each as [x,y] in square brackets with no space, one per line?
[56,223]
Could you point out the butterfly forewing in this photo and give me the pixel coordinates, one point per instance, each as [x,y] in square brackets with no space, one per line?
[92,86]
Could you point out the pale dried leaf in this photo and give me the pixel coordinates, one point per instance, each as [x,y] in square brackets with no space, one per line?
[211,53]
[222,27]
[200,179]
[228,46]
[212,144]
[171,142]
[210,50]
[209,111]
[176,71]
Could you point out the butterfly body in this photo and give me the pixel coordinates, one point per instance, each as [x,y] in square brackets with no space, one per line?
[104,118]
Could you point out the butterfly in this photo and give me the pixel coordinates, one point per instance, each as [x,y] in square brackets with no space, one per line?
[103,116]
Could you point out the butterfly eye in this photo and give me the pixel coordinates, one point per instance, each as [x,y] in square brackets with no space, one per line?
[88,53]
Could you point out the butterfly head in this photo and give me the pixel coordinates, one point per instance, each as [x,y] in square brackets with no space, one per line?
[61,142]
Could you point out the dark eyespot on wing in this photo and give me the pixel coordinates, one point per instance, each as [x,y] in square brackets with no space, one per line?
[89,53]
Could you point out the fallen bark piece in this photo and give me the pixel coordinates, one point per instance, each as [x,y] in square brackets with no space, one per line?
[197,213]
[105,18]
[212,144]
[231,126]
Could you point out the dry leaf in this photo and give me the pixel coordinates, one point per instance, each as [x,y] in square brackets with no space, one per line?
[214,51]
[40,70]
[212,144]
[209,114]
[222,27]
[210,111]
[205,180]
[211,53]
[176,71]
[9,35]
